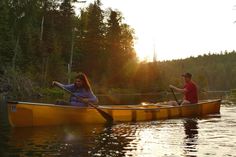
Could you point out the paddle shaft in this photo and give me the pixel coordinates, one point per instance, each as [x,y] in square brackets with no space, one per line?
[104,114]
[174,96]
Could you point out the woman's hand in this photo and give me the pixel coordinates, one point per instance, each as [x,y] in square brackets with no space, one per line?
[85,100]
[54,82]
[171,86]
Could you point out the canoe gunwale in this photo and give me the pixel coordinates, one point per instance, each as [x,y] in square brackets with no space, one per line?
[113,107]
[129,108]
[44,104]
[76,107]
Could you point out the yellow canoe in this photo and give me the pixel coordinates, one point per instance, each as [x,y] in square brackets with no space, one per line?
[22,114]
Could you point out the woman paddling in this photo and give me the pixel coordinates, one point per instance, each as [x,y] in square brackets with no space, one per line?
[82,89]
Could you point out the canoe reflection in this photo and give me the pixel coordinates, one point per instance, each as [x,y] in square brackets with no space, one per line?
[52,141]
[86,140]
[191,136]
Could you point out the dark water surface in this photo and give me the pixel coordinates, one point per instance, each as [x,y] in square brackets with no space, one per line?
[210,136]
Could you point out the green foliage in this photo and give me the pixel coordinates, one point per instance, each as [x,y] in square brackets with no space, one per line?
[51,92]
[92,47]
[232,95]
[6,34]
[210,72]
[17,84]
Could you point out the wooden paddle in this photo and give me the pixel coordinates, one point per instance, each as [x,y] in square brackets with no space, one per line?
[105,115]
[174,96]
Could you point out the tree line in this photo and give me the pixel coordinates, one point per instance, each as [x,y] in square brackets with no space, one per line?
[45,40]
[211,72]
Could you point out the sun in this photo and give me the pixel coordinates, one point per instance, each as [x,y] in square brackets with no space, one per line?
[145,48]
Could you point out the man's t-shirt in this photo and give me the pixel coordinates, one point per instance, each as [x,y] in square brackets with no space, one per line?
[191,93]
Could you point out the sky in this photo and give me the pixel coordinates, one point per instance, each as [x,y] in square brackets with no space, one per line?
[178,29]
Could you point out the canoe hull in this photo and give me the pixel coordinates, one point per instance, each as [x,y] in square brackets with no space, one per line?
[21,115]
[24,114]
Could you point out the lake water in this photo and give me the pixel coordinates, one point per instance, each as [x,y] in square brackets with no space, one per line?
[210,136]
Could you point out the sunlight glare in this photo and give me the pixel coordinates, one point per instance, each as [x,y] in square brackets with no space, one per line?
[177,29]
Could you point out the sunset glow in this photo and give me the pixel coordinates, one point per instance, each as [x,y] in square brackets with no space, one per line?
[179,29]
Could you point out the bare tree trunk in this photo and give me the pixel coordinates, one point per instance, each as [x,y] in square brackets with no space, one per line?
[71,56]
[44,63]
[45,70]
[41,31]
[15,52]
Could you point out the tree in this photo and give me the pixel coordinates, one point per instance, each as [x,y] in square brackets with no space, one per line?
[119,46]
[6,34]
[93,54]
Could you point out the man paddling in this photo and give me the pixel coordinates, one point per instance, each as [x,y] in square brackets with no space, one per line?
[189,90]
